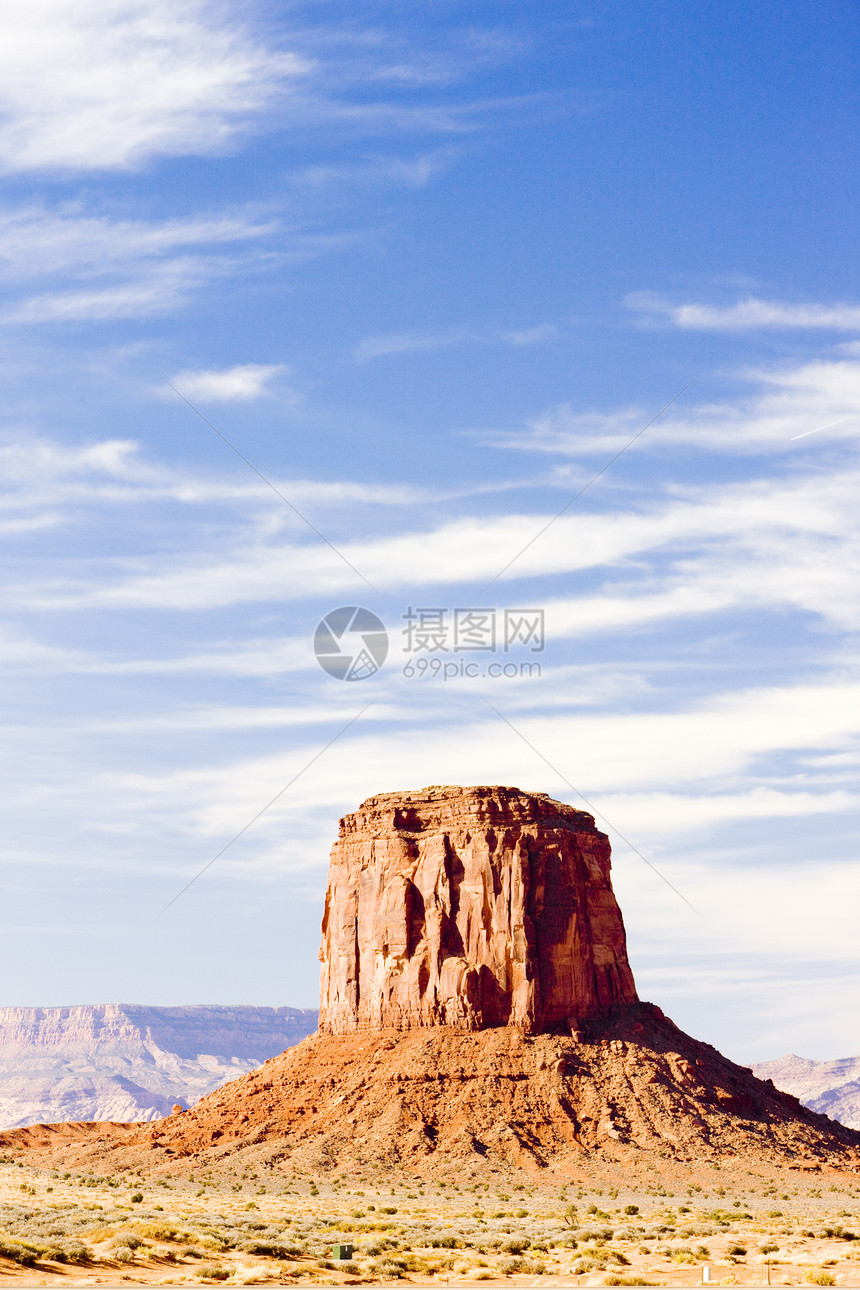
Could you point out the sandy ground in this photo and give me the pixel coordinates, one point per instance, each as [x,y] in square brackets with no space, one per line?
[600,1227]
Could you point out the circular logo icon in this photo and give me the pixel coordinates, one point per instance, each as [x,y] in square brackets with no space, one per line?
[351,643]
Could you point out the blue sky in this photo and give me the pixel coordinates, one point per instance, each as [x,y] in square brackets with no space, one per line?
[429,268]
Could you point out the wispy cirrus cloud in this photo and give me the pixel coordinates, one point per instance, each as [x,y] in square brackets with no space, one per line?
[749,314]
[710,551]
[155,290]
[406,172]
[102,268]
[90,86]
[244,382]
[105,87]
[37,242]
[784,404]
[410,342]
[45,483]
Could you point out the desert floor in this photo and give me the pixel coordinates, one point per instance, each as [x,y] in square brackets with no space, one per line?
[655,1224]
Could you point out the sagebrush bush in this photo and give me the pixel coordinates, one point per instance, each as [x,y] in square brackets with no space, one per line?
[18,1253]
[158,1230]
[274,1249]
[627,1281]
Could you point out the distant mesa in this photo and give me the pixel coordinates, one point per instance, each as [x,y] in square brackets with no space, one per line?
[831,1087]
[121,1061]
[470,908]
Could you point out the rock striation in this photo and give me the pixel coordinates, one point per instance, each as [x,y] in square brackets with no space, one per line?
[471,908]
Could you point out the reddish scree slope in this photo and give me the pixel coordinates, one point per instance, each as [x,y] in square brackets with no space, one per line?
[634,1087]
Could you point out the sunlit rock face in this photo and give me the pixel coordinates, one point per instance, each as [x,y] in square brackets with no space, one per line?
[470,908]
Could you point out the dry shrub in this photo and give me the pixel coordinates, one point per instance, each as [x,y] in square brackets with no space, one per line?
[274,1249]
[210,1273]
[159,1230]
[512,1266]
[629,1281]
[21,1254]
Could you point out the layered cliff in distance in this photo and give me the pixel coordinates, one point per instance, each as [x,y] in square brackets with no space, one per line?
[472,908]
[832,1088]
[131,1062]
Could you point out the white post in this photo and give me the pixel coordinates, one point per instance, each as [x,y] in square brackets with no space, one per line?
[706,1274]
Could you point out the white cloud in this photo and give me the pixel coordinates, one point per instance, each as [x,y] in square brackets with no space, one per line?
[660,777]
[784,405]
[37,242]
[765,544]
[409,342]
[407,172]
[103,268]
[749,314]
[542,334]
[247,381]
[48,484]
[101,86]
[156,291]
[110,86]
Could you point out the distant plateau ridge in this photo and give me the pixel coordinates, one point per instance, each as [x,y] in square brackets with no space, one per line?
[122,1061]
[831,1088]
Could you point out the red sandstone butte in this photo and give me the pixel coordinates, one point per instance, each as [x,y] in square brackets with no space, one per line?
[471,908]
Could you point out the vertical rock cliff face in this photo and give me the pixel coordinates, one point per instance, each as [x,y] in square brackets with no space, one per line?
[472,908]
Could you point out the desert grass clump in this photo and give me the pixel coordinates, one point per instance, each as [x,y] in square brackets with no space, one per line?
[274,1249]
[23,1255]
[161,1230]
[516,1245]
[818,1277]
[211,1273]
[64,1253]
[393,1268]
[512,1266]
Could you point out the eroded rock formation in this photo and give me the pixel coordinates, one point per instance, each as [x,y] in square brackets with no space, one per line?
[457,921]
[471,908]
